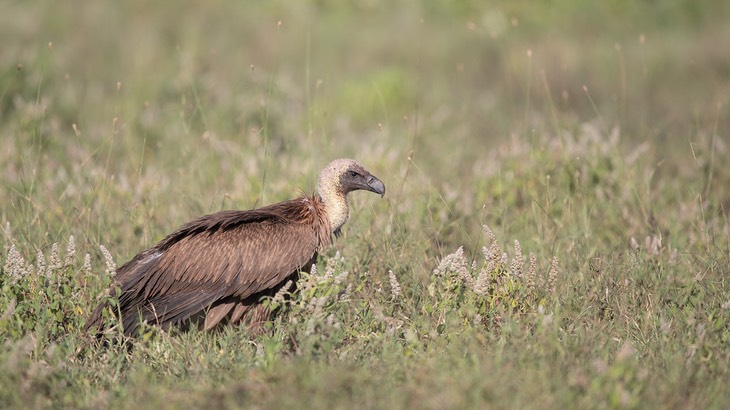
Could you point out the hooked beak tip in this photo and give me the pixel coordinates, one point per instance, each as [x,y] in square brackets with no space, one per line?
[377,186]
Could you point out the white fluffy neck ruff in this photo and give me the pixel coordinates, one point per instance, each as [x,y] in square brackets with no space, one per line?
[335,201]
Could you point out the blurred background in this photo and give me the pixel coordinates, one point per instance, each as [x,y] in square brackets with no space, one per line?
[161,111]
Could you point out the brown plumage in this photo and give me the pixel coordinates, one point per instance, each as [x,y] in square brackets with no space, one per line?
[221,265]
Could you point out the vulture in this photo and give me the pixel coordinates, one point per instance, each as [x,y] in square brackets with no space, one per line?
[217,268]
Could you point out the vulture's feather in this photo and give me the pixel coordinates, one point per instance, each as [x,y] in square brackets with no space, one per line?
[222,264]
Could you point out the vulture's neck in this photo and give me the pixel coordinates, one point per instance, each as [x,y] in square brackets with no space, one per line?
[335,203]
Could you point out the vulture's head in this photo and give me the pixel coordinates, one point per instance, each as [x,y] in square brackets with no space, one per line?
[345,175]
[339,178]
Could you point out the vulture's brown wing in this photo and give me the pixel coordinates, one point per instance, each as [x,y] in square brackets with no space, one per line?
[228,254]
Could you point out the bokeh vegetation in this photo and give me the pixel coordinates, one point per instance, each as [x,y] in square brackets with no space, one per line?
[589,137]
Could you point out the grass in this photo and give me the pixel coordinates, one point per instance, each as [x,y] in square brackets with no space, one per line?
[589,132]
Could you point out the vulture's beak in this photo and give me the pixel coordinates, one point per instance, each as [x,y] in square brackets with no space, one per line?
[376,185]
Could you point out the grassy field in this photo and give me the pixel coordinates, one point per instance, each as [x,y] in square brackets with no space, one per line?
[554,234]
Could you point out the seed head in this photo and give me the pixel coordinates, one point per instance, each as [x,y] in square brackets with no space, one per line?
[111,267]
[394,285]
[70,251]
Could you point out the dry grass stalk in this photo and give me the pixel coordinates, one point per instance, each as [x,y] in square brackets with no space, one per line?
[552,274]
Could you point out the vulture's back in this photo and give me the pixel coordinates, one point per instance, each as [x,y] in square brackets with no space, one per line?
[220,264]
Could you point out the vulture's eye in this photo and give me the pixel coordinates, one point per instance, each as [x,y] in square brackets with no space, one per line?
[353,174]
